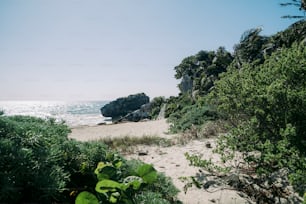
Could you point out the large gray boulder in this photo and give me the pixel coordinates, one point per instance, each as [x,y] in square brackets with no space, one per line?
[121,107]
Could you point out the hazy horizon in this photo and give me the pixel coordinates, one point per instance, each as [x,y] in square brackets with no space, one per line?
[71,50]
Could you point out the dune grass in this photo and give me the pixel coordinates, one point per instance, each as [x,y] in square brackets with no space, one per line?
[128,143]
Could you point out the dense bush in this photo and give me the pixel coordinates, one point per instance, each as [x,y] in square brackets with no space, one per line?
[185,113]
[29,166]
[175,104]
[266,105]
[191,116]
[39,164]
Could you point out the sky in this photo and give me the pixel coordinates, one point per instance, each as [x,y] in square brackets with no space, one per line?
[105,49]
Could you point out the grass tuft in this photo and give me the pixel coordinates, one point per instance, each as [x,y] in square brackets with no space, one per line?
[128,143]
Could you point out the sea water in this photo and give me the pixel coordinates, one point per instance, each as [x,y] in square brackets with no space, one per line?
[84,113]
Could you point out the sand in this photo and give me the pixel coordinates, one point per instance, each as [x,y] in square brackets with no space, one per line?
[135,129]
[169,160]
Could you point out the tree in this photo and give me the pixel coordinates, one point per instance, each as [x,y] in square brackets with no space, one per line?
[250,47]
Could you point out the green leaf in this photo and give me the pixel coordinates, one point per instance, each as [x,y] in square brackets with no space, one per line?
[86,198]
[147,173]
[106,185]
[105,171]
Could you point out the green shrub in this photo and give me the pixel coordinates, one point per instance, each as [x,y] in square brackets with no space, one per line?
[162,186]
[134,185]
[156,105]
[266,105]
[39,164]
[192,115]
[150,198]
[30,152]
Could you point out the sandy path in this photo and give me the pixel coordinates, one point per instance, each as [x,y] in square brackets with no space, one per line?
[170,160]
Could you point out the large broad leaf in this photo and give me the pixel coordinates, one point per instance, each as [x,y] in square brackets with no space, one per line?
[147,173]
[105,171]
[86,198]
[106,185]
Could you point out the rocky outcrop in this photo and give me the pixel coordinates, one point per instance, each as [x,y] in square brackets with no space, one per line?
[140,114]
[125,107]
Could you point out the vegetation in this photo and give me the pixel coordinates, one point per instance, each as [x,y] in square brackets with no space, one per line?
[39,164]
[265,104]
[260,92]
[112,188]
[127,143]
[156,105]
[207,66]
[198,72]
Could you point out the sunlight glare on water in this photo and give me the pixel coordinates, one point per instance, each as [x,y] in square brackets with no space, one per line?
[73,113]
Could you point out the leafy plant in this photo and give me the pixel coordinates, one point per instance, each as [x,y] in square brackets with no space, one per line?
[196,160]
[113,189]
[191,115]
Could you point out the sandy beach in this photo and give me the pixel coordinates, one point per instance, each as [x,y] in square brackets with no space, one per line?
[170,160]
[135,129]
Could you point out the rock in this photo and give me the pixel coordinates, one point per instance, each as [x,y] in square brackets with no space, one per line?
[186,84]
[137,115]
[142,153]
[126,105]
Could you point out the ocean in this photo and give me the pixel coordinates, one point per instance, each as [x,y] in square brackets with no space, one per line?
[84,113]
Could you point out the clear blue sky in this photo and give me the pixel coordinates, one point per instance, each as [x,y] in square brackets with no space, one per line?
[104,49]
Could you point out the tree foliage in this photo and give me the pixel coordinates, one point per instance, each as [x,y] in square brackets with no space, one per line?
[250,47]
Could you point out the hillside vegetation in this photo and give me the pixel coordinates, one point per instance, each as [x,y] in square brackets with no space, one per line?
[259,91]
